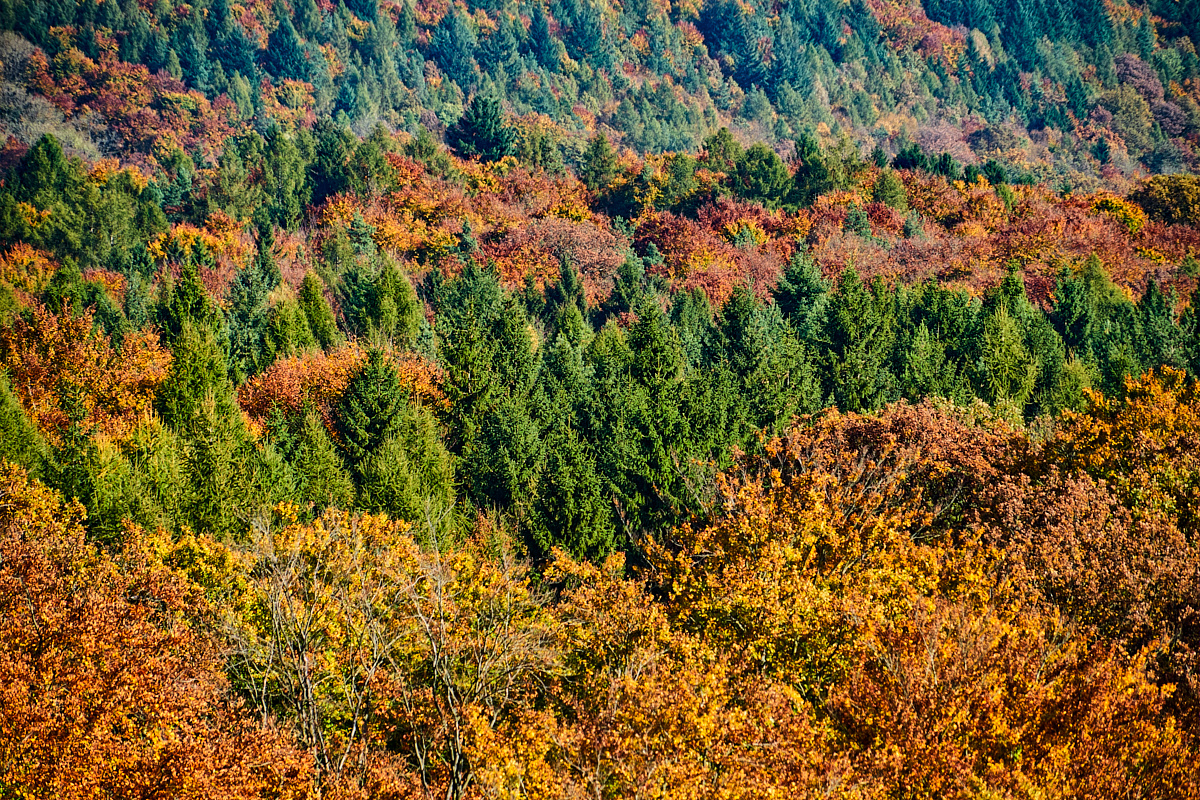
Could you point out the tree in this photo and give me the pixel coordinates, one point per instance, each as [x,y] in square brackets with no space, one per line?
[762,177]
[369,411]
[138,696]
[452,46]
[811,176]
[890,191]
[285,56]
[859,333]
[541,42]
[482,131]
[599,164]
[318,312]
[321,471]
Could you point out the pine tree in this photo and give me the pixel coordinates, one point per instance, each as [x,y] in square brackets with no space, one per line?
[1160,343]
[569,509]
[1007,372]
[802,295]
[812,176]
[762,177]
[198,373]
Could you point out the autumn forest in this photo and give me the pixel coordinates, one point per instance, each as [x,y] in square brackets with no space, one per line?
[592,399]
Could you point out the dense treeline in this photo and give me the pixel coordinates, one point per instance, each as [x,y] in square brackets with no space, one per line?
[587,420]
[1080,90]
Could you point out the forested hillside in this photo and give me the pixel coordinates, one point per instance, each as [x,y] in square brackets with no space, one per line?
[1080,92]
[581,400]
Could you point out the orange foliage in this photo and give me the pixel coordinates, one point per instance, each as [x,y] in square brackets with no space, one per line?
[322,378]
[317,378]
[26,269]
[52,352]
[106,689]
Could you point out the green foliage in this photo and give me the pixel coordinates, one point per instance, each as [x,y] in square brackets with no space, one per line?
[890,191]
[369,411]
[20,442]
[599,164]
[482,131]
[858,335]
[762,177]
[317,312]
[198,378]
[320,470]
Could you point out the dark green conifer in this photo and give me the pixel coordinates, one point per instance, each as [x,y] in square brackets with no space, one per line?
[482,131]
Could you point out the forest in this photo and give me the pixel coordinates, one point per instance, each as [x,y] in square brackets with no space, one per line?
[582,400]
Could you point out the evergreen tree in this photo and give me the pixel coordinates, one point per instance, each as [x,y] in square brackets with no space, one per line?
[199,373]
[802,296]
[318,312]
[1159,343]
[890,191]
[569,509]
[812,176]
[482,131]
[285,56]
[20,441]
[368,413]
[541,41]
[321,471]
[452,46]
[858,333]
[1007,372]
[599,164]
[762,176]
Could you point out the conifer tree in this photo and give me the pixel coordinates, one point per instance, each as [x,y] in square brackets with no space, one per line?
[20,441]
[482,131]
[599,165]
[369,411]
[802,295]
[812,176]
[890,191]
[541,42]
[199,373]
[858,333]
[321,471]
[318,312]
[569,509]
[452,46]
[285,56]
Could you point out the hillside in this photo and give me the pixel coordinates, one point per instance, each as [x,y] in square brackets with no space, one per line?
[1080,92]
[599,401]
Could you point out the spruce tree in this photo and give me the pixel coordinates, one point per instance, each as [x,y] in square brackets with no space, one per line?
[369,411]
[321,471]
[452,46]
[599,165]
[20,441]
[858,334]
[890,191]
[482,131]
[318,312]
